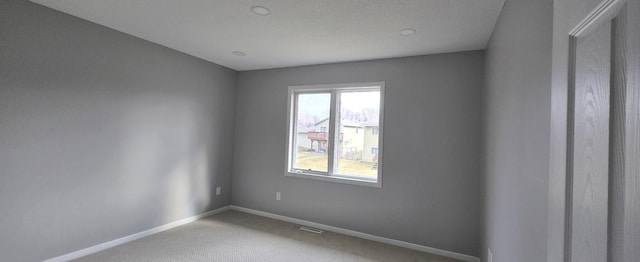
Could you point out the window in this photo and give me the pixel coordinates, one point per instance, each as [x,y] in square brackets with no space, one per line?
[334,149]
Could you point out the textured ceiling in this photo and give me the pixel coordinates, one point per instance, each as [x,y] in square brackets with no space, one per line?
[297,32]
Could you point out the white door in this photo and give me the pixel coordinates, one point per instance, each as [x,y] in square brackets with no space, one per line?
[602,199]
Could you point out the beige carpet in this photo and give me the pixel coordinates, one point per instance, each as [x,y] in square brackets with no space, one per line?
[236,236]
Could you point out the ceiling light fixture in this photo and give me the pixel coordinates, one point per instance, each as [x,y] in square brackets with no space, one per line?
[260,10]
[239,53]
[407,32]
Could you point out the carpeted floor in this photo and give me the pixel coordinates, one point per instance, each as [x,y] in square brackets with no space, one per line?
[236,236]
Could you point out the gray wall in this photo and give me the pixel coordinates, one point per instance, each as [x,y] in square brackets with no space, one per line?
[102,134]
[516,132]
[431,170]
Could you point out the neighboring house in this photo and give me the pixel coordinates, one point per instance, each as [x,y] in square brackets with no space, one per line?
[322,126]
[315,138]
[371,133]
[302,140]
[319,137]
[352,140]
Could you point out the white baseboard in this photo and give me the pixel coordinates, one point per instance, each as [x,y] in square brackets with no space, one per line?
[348,232]
[129,238]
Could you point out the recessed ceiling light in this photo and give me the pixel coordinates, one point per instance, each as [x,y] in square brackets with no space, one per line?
[239,53]
[407,32]
[260,10]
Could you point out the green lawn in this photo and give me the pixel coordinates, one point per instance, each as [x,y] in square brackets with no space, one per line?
[318,161]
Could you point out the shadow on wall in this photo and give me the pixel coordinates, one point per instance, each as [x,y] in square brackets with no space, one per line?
[168,157]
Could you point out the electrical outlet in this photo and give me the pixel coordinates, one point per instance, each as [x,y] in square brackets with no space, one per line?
[218,189]
[490,256]
[278,196]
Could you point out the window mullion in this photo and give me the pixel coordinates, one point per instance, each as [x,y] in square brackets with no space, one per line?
[332,132]
[336,135]
[294,128]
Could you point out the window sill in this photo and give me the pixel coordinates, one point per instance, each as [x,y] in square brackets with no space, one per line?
[337,179]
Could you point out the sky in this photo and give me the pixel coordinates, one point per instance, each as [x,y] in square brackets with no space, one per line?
[356,101]
[318,104]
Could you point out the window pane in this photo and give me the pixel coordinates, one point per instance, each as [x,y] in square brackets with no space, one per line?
[359,116]
[312,136]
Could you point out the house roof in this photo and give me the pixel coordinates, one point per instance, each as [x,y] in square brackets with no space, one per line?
[350,123]
[345,122]
[371,122]
[305,129]
[325,119]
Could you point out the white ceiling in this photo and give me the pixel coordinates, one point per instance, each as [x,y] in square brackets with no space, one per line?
[297,32]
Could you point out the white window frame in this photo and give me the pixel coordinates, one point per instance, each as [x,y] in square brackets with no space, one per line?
[330,176]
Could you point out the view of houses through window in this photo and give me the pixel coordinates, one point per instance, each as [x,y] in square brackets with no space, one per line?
[356,152]
[312,125]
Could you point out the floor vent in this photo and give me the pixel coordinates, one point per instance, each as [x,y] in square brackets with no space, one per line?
[312,230]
